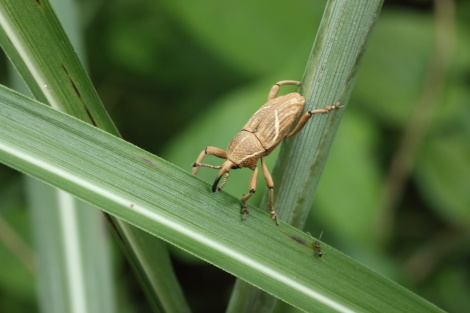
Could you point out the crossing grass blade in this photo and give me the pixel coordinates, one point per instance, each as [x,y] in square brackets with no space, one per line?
[170,203]
[33,38]
[329,78]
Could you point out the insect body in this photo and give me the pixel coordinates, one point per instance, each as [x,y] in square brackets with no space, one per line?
[318,249]
[316,245]
[263,132]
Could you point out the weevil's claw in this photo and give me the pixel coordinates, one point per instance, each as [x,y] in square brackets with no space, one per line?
[338,105]
[244,211]
[275,218]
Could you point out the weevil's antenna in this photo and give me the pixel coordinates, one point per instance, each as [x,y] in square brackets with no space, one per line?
[223,182]
[224,170]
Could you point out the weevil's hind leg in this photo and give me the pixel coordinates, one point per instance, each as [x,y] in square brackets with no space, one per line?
[277,86]
[212,151]
[244,197]
[270,183]
[307,115]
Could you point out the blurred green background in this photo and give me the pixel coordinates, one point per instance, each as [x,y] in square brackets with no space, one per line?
[177,76]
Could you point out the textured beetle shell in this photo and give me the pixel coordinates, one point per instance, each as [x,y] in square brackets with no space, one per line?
[245,150]
[273,121]
[265,130]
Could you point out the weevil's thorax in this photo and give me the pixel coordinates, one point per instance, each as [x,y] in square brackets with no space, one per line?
[273,121]
[245,150]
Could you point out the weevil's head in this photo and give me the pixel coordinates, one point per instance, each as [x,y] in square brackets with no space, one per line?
[226,167]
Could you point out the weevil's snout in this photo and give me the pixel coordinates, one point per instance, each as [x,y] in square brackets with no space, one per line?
[224,170]
[216,183]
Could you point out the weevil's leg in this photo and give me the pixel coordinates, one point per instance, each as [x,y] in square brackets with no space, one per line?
[303,120]
[244,197]
[307,115]
[212,151]
[276,87]
[270,183]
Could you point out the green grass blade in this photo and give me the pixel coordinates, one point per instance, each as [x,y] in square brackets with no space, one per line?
[73,264]
[34,40]
[39,48]
[328,78]
[168,202]
[74,268]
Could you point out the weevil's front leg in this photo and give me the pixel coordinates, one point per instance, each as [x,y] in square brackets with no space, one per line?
[304,119]
[244,197]
[276,87]
[270,183]
[212,151]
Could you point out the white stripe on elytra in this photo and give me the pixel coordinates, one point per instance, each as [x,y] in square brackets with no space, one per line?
[276,125]
[251,155]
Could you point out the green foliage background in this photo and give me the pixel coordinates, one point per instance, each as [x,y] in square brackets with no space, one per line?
[177,76]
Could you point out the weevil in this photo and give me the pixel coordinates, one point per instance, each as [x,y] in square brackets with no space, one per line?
[263,132]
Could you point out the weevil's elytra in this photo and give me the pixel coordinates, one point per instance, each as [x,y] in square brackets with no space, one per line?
[263,132]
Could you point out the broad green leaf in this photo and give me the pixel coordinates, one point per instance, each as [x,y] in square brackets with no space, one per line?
[257,37]
[352,207]
[443,164]
[74,273]
[394,67]
[74,268]
[34,40]
[447,190]
[168,202]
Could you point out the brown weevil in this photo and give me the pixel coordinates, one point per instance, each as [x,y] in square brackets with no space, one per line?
[263,132]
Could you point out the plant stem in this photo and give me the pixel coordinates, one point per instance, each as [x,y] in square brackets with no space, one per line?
[35,42]
[329,77]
